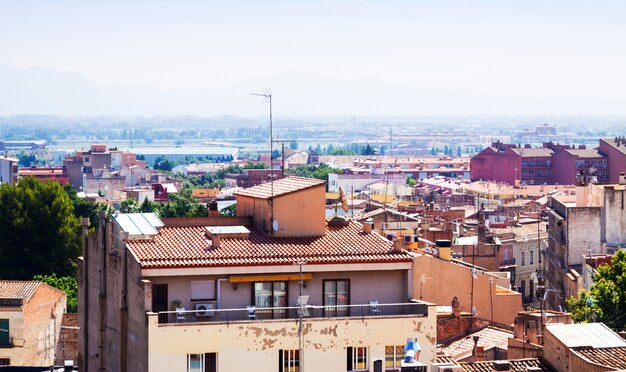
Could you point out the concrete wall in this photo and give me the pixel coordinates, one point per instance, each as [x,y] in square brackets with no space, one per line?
[614,216]
[298,214]
[444,280]
[254,346]
[107,185]
[113,334]
[584,231]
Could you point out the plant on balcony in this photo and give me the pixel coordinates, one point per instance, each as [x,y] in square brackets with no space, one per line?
[607,295]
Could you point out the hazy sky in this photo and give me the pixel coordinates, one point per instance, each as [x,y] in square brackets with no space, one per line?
[534,48]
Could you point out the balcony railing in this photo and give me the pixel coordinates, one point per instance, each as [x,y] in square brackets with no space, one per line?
[251,314]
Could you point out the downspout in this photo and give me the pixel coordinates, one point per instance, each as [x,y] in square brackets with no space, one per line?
[84,223]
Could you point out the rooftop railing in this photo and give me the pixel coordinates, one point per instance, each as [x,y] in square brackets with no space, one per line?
[262,314]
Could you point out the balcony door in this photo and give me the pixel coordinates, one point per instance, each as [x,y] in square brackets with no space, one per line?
[337,295]
[272,295]
[159,300]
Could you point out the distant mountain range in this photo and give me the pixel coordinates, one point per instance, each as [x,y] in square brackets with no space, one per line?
[42,91]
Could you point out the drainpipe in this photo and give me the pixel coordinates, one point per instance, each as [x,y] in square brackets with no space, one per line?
[84,223]
[124,307]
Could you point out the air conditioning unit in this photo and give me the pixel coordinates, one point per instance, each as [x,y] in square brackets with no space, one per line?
[205,309]
[409,238]
[391,237]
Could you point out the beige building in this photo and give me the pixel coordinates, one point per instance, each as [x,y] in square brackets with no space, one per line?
[275,289]
[30,322]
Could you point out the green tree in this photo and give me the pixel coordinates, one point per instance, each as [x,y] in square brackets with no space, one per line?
[607,295]
[67,284]
[410,181]
[39,233]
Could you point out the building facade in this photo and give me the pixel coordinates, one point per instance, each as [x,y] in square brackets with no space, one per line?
[31,313]
[278,284]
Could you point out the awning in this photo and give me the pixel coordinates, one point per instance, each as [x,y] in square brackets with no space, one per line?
[269,278]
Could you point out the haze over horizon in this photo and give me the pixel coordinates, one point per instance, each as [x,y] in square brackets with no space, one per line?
[351,57]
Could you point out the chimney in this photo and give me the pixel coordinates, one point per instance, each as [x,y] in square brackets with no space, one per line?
[368,226]
[622,178]
[475,349]
[215,241]
[213,211]
[501,365]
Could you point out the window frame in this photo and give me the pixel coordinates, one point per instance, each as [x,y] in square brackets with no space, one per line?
[275,312]
[205,358]
[357,355]
[8,333]
[337,311]
[288,360]
[395,357]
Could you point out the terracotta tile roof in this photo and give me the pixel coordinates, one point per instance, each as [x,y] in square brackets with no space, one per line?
[23,289]
[488,338]
[614,357]
[518,365]
[189,247]
[281,187]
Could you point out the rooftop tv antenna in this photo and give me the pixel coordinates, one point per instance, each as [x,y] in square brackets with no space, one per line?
[267,95]
[343,199]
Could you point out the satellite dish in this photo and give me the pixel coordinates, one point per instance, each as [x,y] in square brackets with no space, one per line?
[275,225]
[474,311]
[343,199]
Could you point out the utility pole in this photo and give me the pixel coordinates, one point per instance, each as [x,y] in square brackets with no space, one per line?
[302,305]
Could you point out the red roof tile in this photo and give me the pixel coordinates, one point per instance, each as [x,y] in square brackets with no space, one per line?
[18,289]
[516,365]
[190,247]
[614,357]
[488,338]
[281,187]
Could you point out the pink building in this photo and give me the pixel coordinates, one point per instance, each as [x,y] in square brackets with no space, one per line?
[509,163]
[550,164]
[615,150]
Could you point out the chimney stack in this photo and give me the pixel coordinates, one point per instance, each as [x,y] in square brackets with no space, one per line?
[213,211]
[368,226]
[215,241]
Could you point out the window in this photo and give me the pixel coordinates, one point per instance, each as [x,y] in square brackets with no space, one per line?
[5,340]
[539,256]
[288,360]
[202,362]
[523,258]
[5,362]
[531,259]
[270,294]
[357,359]
[336,293]
[393,356]
[202,290]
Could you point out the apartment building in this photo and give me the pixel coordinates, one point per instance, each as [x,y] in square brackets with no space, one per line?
[8,170]
[56,174]
[588,223]
[30,322]
[276,288]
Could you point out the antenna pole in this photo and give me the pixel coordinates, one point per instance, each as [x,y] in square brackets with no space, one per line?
[268,97]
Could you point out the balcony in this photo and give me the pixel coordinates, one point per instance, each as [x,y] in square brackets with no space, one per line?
[308,312]
[555,260]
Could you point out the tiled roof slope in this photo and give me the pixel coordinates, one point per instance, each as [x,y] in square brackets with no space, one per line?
[281,187]
[488,338]
[614,357]
[518,365]
[177,247]
[18,289]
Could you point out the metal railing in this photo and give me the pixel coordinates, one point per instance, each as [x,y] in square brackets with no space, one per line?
[251,314]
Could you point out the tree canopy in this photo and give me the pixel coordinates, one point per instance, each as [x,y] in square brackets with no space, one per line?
[39,233]
[67,284]
[607,295]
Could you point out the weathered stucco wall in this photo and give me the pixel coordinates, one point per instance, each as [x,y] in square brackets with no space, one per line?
[254,346]
[583,233]
[444,280]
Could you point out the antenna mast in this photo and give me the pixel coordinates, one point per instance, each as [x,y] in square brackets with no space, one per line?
[268,98]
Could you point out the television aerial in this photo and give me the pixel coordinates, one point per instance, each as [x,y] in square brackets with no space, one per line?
[343,199]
